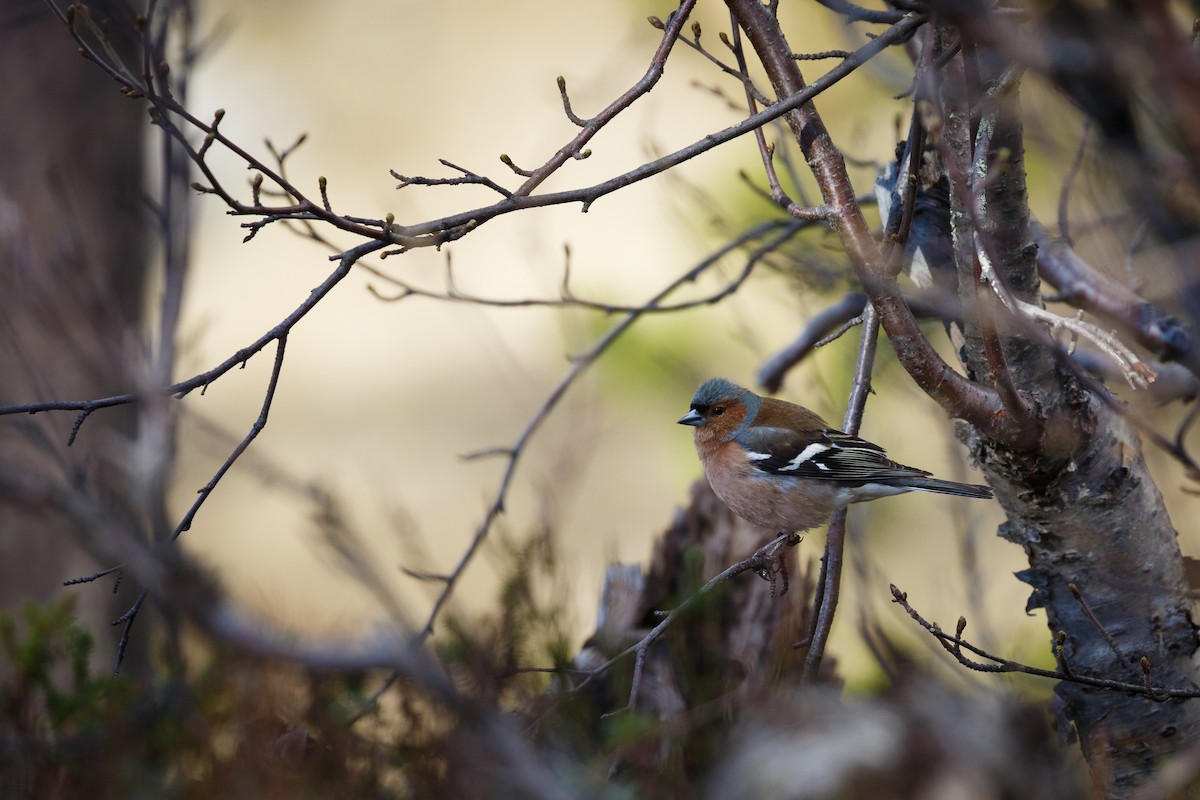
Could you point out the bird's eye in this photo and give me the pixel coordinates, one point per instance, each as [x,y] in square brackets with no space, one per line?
[718,411]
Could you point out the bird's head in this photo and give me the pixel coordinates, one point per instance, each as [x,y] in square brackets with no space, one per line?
[720,408]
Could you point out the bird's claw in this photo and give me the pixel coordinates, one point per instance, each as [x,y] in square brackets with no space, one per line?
[771,561]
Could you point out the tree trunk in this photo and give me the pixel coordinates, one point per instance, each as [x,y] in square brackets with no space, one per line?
[72,267]
[1082,505]
[1067,467]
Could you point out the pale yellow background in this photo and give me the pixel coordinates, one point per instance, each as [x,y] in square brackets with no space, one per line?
[378,400]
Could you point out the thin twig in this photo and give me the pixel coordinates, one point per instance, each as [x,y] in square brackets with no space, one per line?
[1121,655]
[1064,223]
[567,299]
[203,379]
[956,645]
[579,364]
[767,152]
[829,589]
[762,560]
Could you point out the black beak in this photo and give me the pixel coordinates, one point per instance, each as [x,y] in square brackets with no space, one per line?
[692,418]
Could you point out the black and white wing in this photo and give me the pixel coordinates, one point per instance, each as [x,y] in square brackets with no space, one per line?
[827,455]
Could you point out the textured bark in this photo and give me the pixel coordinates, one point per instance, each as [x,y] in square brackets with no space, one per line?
[741,639]
[957,396]
[1085,510]
[1075,487]
[731,653]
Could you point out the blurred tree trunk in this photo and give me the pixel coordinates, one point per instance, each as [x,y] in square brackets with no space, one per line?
[72,267]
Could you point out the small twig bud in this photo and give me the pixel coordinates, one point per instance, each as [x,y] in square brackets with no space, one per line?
[655,22]
[508,162]
[566,101]
[323,184]
[1060,653]
[696,30]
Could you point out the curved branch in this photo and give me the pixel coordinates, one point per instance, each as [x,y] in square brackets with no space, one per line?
[770,375]
[578,366]
[443,229]
[182,388]
[1080,285]
[955,645]
[955,393]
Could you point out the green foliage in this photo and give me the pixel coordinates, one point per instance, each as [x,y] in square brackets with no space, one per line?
[47,675]
[528,627]
[237,728]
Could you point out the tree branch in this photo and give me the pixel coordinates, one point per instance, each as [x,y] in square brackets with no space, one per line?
[957,395]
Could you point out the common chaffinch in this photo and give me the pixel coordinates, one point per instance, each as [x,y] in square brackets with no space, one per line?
[781,466]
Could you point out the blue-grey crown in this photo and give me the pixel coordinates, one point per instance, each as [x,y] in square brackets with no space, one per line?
[716,390]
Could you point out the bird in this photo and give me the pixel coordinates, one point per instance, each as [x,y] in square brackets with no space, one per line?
[782,467]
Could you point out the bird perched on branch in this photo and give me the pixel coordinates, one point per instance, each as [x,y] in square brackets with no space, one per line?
[782,467]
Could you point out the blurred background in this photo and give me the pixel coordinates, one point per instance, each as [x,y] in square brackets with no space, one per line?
[380,399]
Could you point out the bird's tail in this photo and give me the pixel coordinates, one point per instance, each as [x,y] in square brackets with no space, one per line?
[948,487]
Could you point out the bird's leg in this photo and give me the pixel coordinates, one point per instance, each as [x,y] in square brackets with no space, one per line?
[771,559]
[782,539]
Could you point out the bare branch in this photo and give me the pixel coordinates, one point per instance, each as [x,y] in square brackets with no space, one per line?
[448,228]
[957,395]
[1069,182]
[1080,285]
[829,582]
[201,381]
[955,645]
[579,365]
